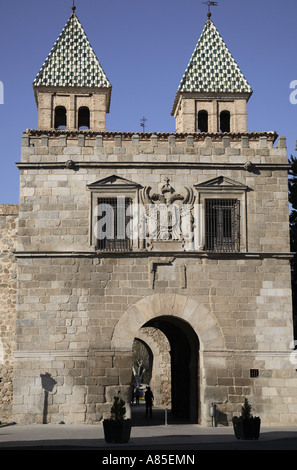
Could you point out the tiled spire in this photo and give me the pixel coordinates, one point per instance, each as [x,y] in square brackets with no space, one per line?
[212,67]
[72,62]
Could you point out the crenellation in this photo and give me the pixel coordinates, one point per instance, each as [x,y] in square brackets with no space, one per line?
[81,140]
[62,141]
[44,141]
[158,148]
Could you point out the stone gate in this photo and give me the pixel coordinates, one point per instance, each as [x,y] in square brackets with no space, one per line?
[186,233]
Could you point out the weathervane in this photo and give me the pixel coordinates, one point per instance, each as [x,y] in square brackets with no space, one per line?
[73,6]
[210,4]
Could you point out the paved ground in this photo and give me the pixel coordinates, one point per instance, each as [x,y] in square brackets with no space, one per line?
[147,435]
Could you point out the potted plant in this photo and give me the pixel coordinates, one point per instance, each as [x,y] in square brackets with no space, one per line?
[246,426]
[117,429]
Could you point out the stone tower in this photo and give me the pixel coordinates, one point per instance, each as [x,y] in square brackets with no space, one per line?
[213,92]
[179,240]
[71,89]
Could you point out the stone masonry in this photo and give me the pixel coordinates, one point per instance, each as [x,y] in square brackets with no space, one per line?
[211,301]
[8,293]
[81,309]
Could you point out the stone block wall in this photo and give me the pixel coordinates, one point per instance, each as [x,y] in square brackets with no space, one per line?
[54,201]
[189,105]
[8,294]
[57,146]
[80,310]
[66,327]
[48,99]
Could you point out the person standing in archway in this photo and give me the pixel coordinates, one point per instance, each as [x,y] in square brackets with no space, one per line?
[137,395]
[149,398]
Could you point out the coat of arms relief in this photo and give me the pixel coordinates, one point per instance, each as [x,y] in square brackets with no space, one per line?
[168,216]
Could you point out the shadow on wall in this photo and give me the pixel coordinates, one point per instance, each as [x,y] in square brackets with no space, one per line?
[49,386]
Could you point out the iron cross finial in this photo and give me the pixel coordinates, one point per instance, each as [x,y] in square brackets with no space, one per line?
[142,123]
[210,4]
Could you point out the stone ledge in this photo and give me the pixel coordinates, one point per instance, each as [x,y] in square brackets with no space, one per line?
[247,352]
[156,164]
[165,136]
[150,254]
[53,354]
[46,355]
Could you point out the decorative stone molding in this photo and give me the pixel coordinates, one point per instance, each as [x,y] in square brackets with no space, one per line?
[197,315]
[248,166]
[70,164]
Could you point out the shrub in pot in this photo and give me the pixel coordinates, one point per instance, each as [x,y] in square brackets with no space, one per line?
[246,426]
[117,429]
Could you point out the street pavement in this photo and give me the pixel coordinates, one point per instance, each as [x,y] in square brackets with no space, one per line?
[148,434]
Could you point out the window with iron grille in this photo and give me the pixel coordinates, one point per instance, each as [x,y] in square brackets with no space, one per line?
[112,224]
[222,225]
[254,373]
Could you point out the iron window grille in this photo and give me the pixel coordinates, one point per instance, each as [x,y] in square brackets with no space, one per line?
[114,221]
[222,225]
[254,373]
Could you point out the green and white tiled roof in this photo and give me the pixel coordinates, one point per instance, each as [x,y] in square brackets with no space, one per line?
[72,61]
[212,67]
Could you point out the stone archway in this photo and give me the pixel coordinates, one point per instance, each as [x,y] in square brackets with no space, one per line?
[159,346]
[190,310]
[184,353]
[190,328]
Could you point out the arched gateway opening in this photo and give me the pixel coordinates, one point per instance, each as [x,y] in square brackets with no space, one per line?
[182,320]
[184,354]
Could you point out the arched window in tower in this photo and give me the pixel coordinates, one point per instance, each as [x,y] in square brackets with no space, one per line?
[84,117]
[202,124]
[60,117]
[225,119]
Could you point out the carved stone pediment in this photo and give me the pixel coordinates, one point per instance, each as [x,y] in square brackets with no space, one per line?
[115,182]
[221,183]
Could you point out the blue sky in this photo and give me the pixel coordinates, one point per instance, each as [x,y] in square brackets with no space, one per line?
[144,48]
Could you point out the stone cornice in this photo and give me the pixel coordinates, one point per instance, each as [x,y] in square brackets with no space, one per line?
[87,353]
[109,135]
[143,165]
[150,254]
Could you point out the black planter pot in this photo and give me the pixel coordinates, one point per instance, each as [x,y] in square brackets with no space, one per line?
[246,428]
[117,431]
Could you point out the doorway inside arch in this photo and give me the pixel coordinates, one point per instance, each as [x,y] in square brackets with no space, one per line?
[182,389]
